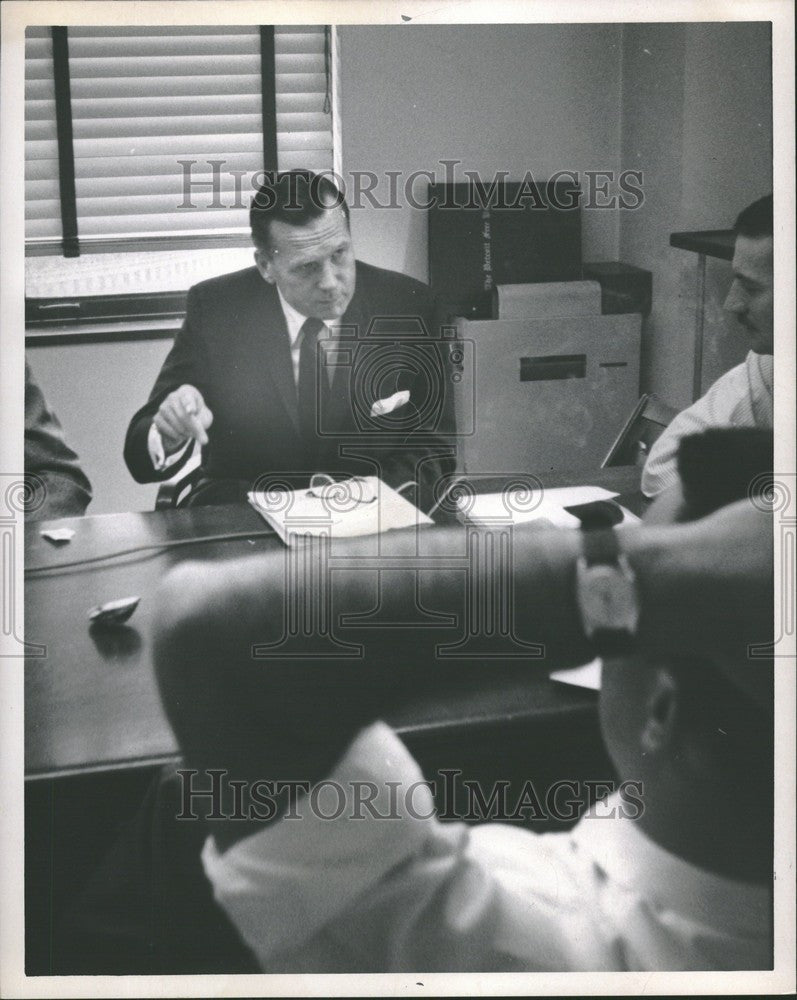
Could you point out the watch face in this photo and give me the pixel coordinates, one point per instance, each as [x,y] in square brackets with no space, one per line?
[607,599]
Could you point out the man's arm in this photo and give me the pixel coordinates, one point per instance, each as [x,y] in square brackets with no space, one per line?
[705,589]
[185,366]
[382,894]
[717,408]
[427,453]
[58,475]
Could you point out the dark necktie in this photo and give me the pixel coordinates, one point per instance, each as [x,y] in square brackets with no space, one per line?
[312,382]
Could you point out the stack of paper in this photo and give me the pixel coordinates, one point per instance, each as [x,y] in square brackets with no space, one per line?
[352,507]
[588,675]
[519,507]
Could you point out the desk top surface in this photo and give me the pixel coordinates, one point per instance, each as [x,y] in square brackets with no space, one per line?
[91,701]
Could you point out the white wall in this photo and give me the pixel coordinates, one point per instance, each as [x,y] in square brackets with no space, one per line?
[690,105]
[94,390]
[696,118]
[496,97]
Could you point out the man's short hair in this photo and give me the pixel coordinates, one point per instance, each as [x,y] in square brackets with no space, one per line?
[716,468]
[755,221]
[292,196]
[724,464]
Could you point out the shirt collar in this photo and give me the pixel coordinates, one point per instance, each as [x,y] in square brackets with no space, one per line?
[294,319]
[630,857]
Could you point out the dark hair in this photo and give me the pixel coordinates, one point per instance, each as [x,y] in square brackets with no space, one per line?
[293,196]
[756,220]
[731,723]
[724,464]
[718,467]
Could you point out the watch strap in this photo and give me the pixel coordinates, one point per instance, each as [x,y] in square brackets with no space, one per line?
[612,642]
[600,547]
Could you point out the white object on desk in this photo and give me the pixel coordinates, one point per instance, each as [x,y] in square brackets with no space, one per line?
[345,509]
[60,535]
[519,507]
[570,496]
[588,675]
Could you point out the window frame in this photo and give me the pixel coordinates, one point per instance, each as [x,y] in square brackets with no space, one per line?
[160,311]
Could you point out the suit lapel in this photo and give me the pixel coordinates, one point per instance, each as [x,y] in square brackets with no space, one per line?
[354,327]
[263,325]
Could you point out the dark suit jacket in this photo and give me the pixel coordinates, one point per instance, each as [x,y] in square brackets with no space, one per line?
[57,486]
[234,348]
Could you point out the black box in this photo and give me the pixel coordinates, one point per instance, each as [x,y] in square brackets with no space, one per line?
[512,232]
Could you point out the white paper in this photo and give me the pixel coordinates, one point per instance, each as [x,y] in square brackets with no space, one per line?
[517,507]
[58,534]
[570,496]
[588,675]
[346,509]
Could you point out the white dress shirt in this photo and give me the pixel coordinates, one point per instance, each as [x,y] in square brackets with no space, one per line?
[410,893]
[742,397]
[294,322]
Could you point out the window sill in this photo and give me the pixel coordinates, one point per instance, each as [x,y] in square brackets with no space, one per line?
[102,332]
[65,311]
[119,296]
[110,275]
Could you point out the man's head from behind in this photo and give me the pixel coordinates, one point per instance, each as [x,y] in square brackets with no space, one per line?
[698,735]
[300,228]
[750,298]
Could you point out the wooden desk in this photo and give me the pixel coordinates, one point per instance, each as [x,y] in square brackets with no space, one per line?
[91,703]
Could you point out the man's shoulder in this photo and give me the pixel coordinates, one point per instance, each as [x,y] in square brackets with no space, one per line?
[732,386]
[241,282]
[392,284]
[762,365]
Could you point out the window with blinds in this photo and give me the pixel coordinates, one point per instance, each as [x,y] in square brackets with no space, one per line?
[168,130]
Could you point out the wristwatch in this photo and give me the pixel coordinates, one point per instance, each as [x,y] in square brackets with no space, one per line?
[606,593]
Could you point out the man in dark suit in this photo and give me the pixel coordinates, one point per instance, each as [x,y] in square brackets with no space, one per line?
[311,361]
[56,484]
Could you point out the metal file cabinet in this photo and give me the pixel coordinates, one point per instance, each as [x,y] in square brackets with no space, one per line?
[543,395]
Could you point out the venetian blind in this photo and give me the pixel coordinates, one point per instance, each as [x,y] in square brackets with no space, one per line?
[143,99]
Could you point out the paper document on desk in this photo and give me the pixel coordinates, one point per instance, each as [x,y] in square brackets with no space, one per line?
[522,506]
[588,675]
[346,509]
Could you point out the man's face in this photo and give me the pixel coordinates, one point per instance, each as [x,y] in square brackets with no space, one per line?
[751,296]
[312,265]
